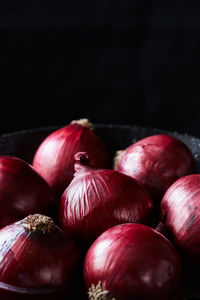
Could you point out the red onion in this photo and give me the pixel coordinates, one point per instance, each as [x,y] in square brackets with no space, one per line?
[54,157]
[37,259]
[22,191]
[133,261]
[180,209]
[97,199]
[156,161]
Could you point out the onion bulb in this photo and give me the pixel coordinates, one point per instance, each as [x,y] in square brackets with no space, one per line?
[97,199]
[37,259]
[133,261]
[156,161]
[54,156]
[180,212]
[22,191]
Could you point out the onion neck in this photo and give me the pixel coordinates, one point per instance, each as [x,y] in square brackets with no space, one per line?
[38,223]
[83,122]
[82,162]
[97,293]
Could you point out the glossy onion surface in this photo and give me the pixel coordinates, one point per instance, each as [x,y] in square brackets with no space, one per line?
[133,261]
[22,191]
[54,158]
[180,208]
[97,199]
[36,258]
[157,161]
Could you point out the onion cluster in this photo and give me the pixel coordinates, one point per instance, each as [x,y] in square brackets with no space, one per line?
[72,220]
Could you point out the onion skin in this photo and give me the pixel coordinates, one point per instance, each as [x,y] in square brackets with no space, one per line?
[180,210]
[156,161]
[22,191]
[133,261]
[36,262]
[97,199]
[54,156]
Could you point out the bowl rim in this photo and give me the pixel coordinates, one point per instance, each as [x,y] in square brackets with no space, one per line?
[155,130]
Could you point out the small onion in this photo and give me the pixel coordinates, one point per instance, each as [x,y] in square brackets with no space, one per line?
[133,261]
[97,199]
[22,191]
[180,210]
[36,259]
[157,161]
[54,156]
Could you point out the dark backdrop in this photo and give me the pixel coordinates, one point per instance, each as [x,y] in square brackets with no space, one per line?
[124,61]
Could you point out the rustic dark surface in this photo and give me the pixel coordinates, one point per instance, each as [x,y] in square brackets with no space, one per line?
[23,144]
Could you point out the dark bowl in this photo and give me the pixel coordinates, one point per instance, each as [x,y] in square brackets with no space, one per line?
[23,144]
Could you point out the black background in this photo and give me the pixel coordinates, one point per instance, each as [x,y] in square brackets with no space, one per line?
[123,62]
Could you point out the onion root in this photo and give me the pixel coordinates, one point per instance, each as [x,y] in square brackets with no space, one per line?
[97,293]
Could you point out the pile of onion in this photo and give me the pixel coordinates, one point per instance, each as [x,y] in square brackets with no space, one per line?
[22,191]
[97,199]
[133,261]
[106,212]
[180,210]
[36,260]
[156,161]
[54,156]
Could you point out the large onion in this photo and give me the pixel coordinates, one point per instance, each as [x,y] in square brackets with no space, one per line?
[97,199]
[133,261]
[22,191]
[156,161]
[37,261]
[180,209]
[54,156]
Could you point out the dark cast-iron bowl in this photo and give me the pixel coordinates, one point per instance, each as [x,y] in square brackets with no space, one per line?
[23,144]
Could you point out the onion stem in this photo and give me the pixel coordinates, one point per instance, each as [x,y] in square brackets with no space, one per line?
[83,122]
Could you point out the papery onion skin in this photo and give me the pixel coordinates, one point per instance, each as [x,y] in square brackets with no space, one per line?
[133,261]
[22,191]
[34,261]
[157,161]
[180,210]
[97,199]
[54,156]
